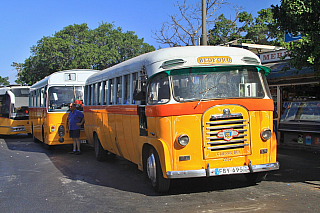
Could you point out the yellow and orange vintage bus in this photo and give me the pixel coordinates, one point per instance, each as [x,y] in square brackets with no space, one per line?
[14,111]
[49,101]
[184,112]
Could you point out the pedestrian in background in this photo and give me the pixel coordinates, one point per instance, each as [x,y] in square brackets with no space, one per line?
[74,122]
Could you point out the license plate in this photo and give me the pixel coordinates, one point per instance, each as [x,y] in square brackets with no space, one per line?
[83,141]
[229,170]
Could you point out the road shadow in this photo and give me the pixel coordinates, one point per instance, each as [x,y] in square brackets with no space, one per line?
[297,165]
[121,174]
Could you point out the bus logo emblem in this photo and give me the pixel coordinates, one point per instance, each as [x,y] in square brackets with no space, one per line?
[227,134]
[214,60]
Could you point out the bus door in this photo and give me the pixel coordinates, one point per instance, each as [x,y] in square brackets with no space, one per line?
[142,120]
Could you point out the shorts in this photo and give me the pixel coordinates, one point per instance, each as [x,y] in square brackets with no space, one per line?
[74,133]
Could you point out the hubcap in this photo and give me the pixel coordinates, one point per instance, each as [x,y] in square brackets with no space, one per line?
[151,168]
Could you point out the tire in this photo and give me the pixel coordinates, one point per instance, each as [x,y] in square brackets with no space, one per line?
[111,156]
[154,172]
[256,177]
[101,154]
[47,146]
[34,138]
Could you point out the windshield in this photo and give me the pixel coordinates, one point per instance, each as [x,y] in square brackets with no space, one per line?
[218,83]
[20,110]
[61,96]
[5,105]
[203,83]
[302,111]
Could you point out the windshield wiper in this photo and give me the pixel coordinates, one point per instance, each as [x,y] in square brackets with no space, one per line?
[207,90]
[205,93]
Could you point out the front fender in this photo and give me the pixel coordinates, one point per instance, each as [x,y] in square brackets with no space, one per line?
[163,151]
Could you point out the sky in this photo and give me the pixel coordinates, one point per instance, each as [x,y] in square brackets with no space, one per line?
[23,23]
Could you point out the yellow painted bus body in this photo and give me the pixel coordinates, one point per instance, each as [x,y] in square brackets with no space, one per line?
[46,124]
[119,133]
[13,127]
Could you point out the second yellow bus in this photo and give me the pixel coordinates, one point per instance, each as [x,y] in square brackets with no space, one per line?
[49,105]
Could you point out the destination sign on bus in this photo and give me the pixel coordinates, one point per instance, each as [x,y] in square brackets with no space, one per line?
[214,60]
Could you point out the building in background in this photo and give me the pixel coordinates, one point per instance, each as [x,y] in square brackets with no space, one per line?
[297,101]
[296,96]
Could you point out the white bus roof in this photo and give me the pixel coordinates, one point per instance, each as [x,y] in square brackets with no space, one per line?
[188,56]
[3,90]
[65,78]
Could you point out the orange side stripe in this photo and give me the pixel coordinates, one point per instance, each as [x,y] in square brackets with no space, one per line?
[115,109]
[191,108]
[188,108]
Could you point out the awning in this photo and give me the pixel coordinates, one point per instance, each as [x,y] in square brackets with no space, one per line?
[290,77]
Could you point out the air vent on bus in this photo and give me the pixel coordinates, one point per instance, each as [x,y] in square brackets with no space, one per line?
[172,63]
[250,60]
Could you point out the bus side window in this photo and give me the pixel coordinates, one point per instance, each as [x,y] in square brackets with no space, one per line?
[92,94]
[111,91]
[159,90]
[42,102]
[126,94]
[86,95]
[134,86]
[101,93]
[119,90]
[5,107]
[106,93]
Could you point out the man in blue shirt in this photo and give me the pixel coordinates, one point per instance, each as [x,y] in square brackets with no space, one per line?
[74,122]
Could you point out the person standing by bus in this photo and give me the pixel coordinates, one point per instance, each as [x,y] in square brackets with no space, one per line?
[74,122]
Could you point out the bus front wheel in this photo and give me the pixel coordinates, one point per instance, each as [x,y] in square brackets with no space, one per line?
[154,172]
[101,154]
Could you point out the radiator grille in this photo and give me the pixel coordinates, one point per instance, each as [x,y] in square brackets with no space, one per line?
[226,133]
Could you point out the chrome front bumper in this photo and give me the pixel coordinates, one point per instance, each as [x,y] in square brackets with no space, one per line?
[223,171]
[18,129]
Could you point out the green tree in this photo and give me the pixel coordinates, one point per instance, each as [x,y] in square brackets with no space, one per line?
[300,16]
[4,81]
[78,47]
[259,30]
[226,30]
[18,67]
[263,29]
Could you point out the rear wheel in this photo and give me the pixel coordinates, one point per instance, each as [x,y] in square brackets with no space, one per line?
[33,137]
[154,172]
[47,146]
[101,154]
[256,177]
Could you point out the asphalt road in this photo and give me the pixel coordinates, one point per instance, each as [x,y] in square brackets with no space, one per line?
[33,179]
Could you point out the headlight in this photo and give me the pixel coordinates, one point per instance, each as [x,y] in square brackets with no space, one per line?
[183,140]
[266,134]
[61,130]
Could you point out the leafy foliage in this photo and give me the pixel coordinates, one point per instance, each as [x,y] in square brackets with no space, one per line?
[4,81]
[78,47]
[301,16]
[259,30]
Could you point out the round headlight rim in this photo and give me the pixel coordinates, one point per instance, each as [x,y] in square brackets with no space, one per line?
[269,134]
[179,139]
